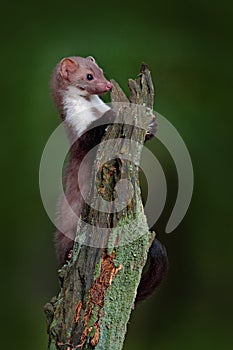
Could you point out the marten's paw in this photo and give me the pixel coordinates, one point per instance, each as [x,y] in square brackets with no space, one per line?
[152,128]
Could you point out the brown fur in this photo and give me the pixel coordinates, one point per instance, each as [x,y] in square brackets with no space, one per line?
[72,72]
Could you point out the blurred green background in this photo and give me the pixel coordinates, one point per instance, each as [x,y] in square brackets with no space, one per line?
[188,47]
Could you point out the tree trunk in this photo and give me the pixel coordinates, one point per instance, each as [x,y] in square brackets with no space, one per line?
[99,285]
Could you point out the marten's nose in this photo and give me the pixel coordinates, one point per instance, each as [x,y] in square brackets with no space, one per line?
[108,86]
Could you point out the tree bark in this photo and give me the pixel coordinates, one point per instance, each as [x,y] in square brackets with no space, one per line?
[99,285]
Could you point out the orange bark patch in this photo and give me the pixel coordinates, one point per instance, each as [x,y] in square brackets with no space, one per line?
[95,339]
[78,311]
[96,299]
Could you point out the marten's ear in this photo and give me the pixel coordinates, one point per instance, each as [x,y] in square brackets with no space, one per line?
[90,58]
[67,66]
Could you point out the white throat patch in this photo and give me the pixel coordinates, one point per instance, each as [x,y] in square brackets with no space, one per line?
[81,110]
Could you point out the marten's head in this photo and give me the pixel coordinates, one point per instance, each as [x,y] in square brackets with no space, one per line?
[83,74]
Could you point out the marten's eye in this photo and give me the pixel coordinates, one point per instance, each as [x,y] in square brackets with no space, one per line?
[90,77]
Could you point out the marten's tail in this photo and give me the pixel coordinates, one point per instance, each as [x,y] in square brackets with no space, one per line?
[158,266]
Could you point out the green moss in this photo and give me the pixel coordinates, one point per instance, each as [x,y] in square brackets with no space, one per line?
[94,316]
[120,296]
[52,345]
[97,269]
